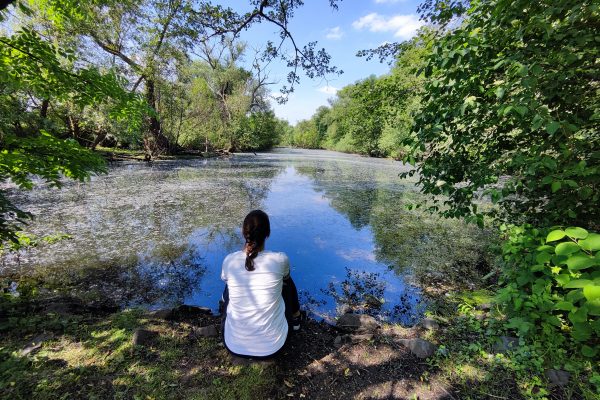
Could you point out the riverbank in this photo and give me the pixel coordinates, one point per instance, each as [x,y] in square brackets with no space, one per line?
[61,348]
[117,154]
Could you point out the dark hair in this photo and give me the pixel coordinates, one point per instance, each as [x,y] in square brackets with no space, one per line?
[256,229]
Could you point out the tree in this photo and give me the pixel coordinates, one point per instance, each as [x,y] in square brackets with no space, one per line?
[374,115]
[210,99]
[141,42]
[32,68]
[321,118]
[261,130]
[511,107]
[146,37]
[402,90]
[229,85]
[306,135]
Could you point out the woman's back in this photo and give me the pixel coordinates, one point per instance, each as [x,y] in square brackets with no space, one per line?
[255,323]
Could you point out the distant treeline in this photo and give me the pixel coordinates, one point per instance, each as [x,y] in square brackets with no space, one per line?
[372,116]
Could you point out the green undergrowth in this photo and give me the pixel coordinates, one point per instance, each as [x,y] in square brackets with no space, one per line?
[93,357]
[472,364]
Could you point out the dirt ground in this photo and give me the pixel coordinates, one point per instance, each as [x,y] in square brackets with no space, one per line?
[88,353]
[311,366]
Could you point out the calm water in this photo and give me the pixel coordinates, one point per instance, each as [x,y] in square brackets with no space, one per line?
[157,234]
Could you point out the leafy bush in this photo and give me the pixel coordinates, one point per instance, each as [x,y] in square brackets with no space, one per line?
[552,287]
[511,105]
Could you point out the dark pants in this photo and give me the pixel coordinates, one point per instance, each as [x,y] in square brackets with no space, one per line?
[292,306]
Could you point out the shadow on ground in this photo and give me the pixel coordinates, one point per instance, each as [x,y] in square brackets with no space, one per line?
[92,356]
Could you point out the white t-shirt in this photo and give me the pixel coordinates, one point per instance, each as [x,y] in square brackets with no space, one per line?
[255,323]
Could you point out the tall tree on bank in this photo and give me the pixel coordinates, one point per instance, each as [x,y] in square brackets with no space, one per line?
[144,36]
[234,90]
[373,116]
[148,36]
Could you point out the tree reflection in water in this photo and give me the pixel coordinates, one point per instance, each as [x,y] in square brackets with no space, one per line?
[157,234]
[364,293]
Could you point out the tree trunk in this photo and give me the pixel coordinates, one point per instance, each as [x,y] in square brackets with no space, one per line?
[155,142]
[99,138]
[75,130]
[44,108]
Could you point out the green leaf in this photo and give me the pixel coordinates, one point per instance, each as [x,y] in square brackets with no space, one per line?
[571,183]
[581,315]
[563,279]
[591,243]
[555,235]
[564,305]
[500,92]
[537,122]
[553,319]
[523,279]
[566,248]
[536,69]
[556,185]
[588,351]
[552,127]
[580,261]
[576,233]
[547,180]
[559,260]
[574,296]
[582,331]
[520,324]
[591,292]
[539,267]
[543,257]
[585,193]
[578,284]
[546,248]
[522,110]
[499,64]
[593,307]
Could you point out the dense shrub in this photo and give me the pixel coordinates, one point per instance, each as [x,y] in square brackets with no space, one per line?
[551,290]
[511,105]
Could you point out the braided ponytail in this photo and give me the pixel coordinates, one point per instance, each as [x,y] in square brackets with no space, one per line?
[256,229]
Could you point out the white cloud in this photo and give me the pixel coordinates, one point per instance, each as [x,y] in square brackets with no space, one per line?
[403,26]
[334,33]
[328,90]
[356,254]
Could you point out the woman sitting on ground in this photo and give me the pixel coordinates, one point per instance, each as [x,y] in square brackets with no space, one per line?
[260,299]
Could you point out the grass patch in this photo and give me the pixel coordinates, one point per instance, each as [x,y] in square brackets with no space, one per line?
[93,357]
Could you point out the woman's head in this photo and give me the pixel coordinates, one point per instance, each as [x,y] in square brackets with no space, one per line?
[256,229]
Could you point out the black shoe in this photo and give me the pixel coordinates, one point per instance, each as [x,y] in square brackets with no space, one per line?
[296,321]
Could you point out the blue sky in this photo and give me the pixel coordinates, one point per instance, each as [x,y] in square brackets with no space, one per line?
[357,25]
